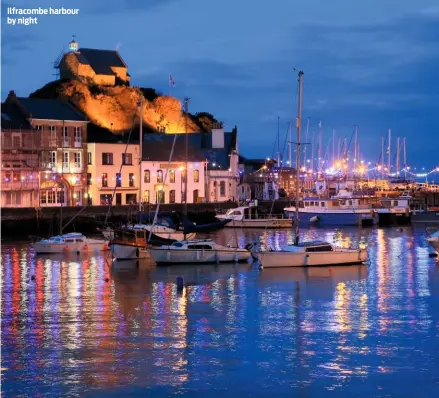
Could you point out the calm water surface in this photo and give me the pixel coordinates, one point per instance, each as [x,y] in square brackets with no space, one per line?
[81,327]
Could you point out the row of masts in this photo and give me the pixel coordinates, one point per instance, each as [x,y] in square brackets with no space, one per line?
[343,157]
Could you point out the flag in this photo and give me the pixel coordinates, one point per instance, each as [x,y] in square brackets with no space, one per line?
[171,81]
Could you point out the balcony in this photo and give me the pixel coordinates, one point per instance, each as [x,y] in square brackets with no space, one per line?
[25,185]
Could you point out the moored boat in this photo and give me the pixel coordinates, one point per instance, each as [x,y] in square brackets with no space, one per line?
[69,243]
[197,252]
[248,217]
[433,240]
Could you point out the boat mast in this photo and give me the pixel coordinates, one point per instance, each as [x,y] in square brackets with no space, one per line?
[405,160]
[186,102]
[299,128]
[290,146]
[140,154]
[306,141]
[397,156]
[388,151]
[278,142]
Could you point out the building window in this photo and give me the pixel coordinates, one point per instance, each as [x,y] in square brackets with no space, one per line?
[131,179]
[172,196]
[52,159]
[65,160]
[146,176]
[43,197]
[223,188]
[77,159]
[60,196]
[16,175]
[159,177]
[183,176]
[78,136]
[104,179]
[89,158]
[107,159]
[146,196]
[118,180]
[65,135]
[196,194]
[160,196]
[16,141]
[171,178]
[8,176]
[52,132]
[127,159]
[88,178]
[196,176]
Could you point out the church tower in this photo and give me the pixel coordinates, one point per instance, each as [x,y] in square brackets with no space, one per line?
[73,45]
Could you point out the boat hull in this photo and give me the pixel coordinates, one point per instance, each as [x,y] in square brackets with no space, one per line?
[426,217]
[122,251]
[261,223]
[165,256]
[313,259]
[393,218]
[326,219]
[78,248]
[160,232]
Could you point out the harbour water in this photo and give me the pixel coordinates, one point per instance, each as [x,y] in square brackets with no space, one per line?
[81,327]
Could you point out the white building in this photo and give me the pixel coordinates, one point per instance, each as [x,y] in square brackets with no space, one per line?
[112,168]
[163,181]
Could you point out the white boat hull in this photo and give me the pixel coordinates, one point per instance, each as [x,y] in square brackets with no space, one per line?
[163,255]
[261,223]
[90,246]
[126,252]
[290,259]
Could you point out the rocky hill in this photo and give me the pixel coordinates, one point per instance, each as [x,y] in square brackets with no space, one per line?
[115,108]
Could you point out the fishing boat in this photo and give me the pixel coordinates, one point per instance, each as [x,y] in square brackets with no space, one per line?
[248,217]
[129,244]
[334,211]
[198,252]
[433,240]
[394,211]
[312,253]
[69,243]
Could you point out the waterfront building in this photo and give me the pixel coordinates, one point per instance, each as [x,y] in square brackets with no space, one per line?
[112,171]
[213,162]
[102,67]
[43,140]
[163,181]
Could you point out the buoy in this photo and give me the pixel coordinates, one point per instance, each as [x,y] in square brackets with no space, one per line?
[314,219]
[180,283]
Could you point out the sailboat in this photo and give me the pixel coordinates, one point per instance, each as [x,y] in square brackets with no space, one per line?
[310,253]
[196,251]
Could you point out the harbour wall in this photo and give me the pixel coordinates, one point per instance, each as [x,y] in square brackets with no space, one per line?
[19,223]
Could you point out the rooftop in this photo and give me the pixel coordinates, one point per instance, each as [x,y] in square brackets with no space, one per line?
[13,119]
[101,61]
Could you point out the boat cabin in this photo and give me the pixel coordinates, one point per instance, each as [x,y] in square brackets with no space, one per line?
[310,246]
[68,238]
[320,204]
[241,213]
[194,245]
[400,203]
[132,236]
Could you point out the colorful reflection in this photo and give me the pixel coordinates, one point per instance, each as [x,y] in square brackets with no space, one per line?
[78,326]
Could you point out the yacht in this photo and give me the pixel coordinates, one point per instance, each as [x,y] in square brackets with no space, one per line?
[312,253]
[248,217]
[70,243]
[197,252]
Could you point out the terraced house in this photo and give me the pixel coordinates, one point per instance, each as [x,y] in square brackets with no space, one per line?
[43,153]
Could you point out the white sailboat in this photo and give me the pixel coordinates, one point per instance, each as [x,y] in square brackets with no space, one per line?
[197,252]
[311,253]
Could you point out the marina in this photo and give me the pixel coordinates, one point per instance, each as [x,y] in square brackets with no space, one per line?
[129,328]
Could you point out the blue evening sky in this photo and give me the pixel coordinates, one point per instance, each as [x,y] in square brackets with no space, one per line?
[369,63]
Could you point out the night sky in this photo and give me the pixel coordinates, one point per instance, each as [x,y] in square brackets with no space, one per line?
[372,63]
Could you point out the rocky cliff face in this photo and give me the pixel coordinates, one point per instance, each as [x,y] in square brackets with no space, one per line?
[115,108]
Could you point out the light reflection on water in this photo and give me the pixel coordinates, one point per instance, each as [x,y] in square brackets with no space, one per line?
[77,327]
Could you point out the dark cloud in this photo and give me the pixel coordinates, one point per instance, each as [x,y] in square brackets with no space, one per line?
[127,6]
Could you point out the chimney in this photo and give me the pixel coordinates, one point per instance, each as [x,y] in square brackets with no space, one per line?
[217,136]
[12,93]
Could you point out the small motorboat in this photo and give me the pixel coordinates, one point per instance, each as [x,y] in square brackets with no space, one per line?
[197,252]
[69,243]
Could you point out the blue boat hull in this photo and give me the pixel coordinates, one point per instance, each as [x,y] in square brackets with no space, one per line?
[324,219]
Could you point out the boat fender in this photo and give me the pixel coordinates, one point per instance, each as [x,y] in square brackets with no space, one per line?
[217,257]
[66,248]
[306,259]
[372,213]
[85,247]
[137,252]
[249,246]
[407,212]
[314,219]
[197,255]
